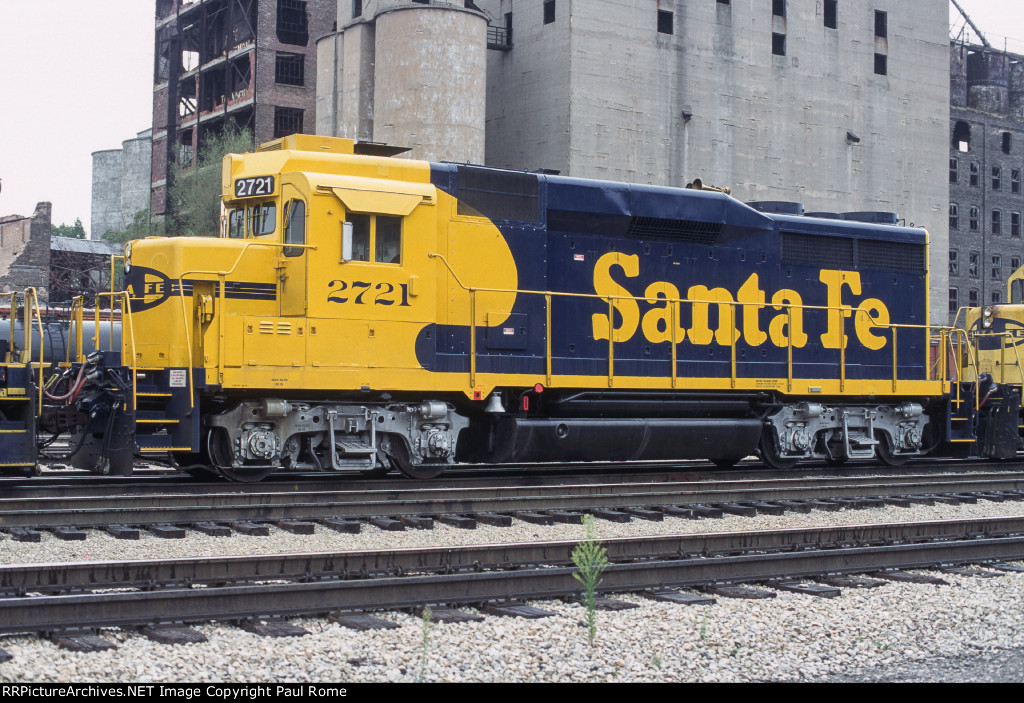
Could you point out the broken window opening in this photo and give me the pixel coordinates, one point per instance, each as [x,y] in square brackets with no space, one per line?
[954,216]
[215,39]
[549,11]
[665,22]
[954,170]
[1007,142]
[954,305]
[997,221]
[244,16]
[213,95]
[186,149]
[1015,228]
[975,174]
[778,44]
[292,22]
[189,60]
[972,297]
[962,136]
[241,77]
[186,107]
[881,24]
[357,8]
[881,65]
[832,14]
[975,219]
[997,180]
[973,261]
[954,266]
[779,8]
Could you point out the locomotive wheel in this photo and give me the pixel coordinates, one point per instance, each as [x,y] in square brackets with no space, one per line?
[884,451]
[400,460]
[769,452]
[219,450]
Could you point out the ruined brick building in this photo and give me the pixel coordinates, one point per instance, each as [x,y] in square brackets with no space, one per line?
[986,163]
[59,268]
[246,62]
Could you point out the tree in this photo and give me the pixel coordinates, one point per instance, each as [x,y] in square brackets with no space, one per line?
[139,227]
[75,231]
[195,192]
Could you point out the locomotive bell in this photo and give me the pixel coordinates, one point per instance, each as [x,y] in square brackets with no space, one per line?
[494,404]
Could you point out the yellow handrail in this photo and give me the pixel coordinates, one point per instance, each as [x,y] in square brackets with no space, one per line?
[127,331]
[674,305]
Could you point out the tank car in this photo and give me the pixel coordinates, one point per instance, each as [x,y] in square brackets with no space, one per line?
[361,312]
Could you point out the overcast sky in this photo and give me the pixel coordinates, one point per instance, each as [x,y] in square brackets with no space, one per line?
[76,77]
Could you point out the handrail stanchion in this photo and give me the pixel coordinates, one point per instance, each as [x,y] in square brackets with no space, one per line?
[675,312]
[894,366]
[789,347]
[472,338]
[549,366]
[732,345]
[611,342]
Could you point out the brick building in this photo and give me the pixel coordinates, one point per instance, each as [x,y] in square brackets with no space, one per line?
[247,62]
[25,251]
[59,268]
[986,163]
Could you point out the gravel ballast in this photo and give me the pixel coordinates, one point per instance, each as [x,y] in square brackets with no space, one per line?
[966,631]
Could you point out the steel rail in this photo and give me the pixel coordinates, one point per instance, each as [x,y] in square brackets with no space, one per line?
[82,485]
[147,573]
[99,511]
[183,605]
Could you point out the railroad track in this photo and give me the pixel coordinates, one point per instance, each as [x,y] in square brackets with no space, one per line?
[467,504]
[176,591]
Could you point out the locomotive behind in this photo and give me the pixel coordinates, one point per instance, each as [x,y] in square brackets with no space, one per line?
[360,313]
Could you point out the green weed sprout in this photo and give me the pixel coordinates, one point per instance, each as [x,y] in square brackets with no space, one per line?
[591,559]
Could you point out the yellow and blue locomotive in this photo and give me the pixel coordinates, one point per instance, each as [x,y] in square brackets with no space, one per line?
[361,312]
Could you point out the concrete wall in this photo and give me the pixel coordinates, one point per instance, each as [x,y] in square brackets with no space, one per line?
[406,74]
[135,178]
[120,184]
[601,93]
[107,169]
[430,95]
[529,91]
[346,68]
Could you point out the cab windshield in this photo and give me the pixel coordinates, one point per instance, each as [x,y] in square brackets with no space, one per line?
[255,220]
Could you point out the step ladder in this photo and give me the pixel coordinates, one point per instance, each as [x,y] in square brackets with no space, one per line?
[166,419]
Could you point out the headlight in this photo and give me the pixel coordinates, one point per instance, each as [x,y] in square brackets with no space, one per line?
[986,316]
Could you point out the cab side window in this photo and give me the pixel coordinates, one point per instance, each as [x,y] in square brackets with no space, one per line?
[389,240]
[360,237]
[376,238]
[295,227]
[262,219]
[236,224]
